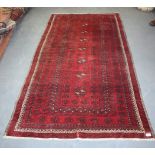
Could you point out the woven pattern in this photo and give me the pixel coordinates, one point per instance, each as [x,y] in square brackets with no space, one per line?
[81,83]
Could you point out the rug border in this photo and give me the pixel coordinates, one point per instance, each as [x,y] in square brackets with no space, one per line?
[136,78]
[26,77]
[95,135]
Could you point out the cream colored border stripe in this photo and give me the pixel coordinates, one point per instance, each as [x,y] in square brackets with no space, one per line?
[32,79]
[129,78]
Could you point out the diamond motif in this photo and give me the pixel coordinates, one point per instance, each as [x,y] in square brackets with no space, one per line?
[81,60]
[84,39]
[80,75]
[80,92]
[84,32]
[85,24]
[82,48]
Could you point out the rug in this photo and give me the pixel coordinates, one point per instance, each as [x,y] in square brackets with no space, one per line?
[81,83]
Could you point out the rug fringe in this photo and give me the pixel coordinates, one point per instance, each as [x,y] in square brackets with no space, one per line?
[136,76]
[81,139]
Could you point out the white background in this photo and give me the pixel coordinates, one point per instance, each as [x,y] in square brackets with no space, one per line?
[78,3]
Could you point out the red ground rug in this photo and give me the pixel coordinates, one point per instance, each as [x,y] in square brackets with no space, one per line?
[81,83]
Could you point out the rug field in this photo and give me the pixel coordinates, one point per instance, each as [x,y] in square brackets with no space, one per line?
[81,83]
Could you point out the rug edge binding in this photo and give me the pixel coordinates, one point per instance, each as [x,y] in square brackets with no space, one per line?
[20,92]
[136,77]
[84,139]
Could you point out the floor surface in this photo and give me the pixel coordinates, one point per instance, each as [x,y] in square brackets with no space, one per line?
[16,61]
